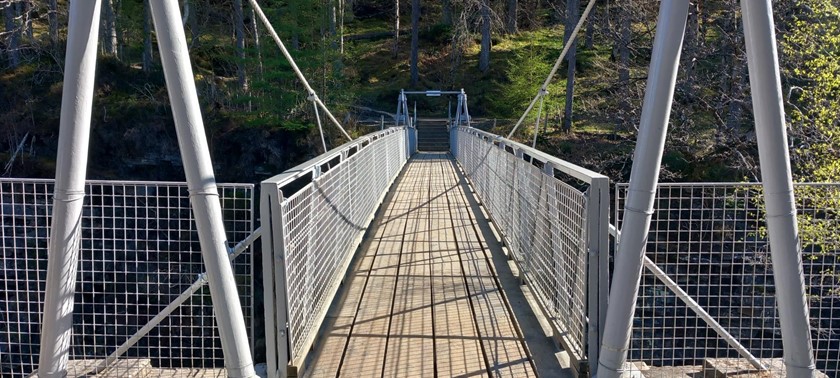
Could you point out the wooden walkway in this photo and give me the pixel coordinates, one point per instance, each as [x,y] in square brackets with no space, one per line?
[424,299]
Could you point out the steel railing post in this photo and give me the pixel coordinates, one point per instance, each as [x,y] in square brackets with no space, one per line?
[204,194]
[766,88]
[597,241]
[274,281]
[69,192]
[643,179]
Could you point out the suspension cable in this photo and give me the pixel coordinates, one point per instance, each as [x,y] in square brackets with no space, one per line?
[537,124]
[312,96]
[544,88]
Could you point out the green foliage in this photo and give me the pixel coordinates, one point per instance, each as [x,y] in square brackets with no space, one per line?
[812,50]
[526,69]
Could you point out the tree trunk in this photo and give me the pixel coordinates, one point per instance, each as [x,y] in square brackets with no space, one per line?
[736,95]
[239,31]
[53,19]
[447,12]
[625,21]
[589,41]
[257,45]
[728,52]
[510,21]
[415,40]
[396,27]
[342,7]
[109,30]
[571,20]
[736,81]
[147,37]
[26,11]
[14,35]
[331,15]
[484,54]
[194,32]
[692,45]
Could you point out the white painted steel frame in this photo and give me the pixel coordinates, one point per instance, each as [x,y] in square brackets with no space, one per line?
[311,233]
[204,194]
[71,166]
[656,110]
[765,83]
[771,136]
[550,227]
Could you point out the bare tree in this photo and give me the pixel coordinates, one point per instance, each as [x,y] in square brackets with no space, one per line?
[110,45]
[147,37]
[510,20]
[734,85]
[446,12]
[342,7]
[239,31]
[415,36]
[53,19]
[9,15]
[691,48]
[396,27]
[589,40]
[484,54]
[571,57]
[623,47]
[257,45]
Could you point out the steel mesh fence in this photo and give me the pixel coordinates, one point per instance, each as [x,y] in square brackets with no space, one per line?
[139,250]
[544,221]
[322,223]
[711,239]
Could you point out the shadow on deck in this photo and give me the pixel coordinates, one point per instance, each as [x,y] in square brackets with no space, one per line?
[431,292]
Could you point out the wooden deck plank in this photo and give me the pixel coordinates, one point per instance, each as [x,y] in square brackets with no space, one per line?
[387,237]
[501,341]
[410,349]
[423,295]
[458,348]
[365,350]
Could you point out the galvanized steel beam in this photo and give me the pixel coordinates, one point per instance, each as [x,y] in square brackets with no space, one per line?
[71,165]
[204,194]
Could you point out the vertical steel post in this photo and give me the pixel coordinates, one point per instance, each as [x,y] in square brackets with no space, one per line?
[204,195]
[597,243]
[643,179]
[449,113]
[400,105]
[69,192]
[766,88]
[466,108]
[274,281]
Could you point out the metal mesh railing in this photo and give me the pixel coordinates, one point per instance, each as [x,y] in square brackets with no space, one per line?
[711,240]
[319,211]
[553,227]
[139,250]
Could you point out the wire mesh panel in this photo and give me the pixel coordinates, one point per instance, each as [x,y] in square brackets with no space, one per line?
[324,208]
[544,221]
[711,239]
[139,251]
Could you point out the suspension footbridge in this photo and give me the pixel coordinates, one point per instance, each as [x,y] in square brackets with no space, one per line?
[422,249]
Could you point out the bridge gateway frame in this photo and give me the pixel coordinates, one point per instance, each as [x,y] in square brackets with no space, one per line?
[462,112]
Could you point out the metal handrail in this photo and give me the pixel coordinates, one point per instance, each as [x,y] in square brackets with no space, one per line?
[570,169]
[312,165]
